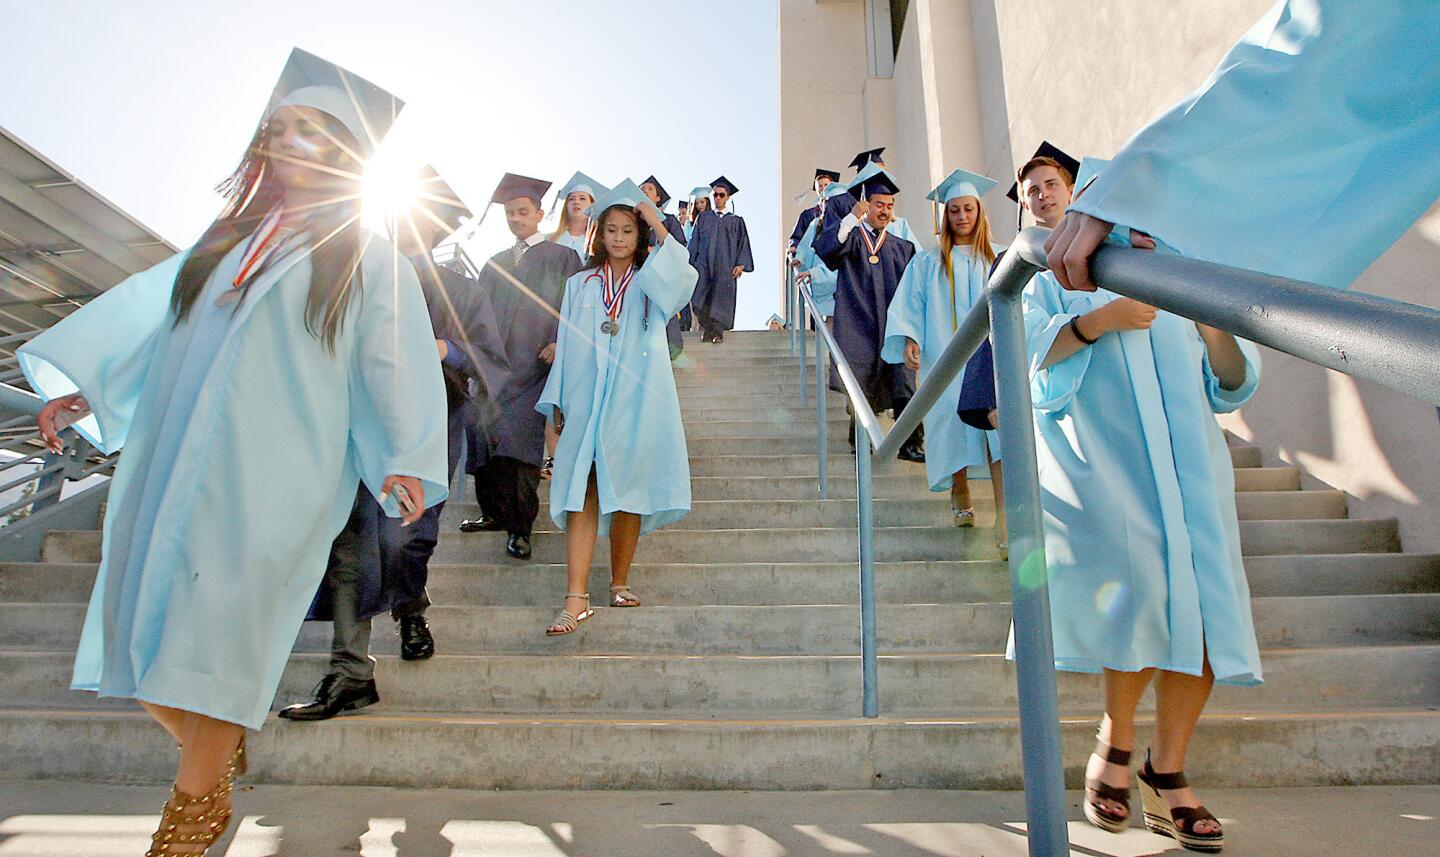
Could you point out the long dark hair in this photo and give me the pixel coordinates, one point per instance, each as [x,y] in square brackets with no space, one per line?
[599,256]
[250,193]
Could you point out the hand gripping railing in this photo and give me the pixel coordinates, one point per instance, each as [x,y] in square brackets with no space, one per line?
[1392,343]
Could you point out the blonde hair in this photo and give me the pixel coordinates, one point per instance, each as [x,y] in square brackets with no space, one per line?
[979,239]
[563,227]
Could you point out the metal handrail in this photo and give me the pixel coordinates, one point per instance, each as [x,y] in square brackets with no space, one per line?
[1392,343]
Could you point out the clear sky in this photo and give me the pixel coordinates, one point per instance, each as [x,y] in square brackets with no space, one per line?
[152,102]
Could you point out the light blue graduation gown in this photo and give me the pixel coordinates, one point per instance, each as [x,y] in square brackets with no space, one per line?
[574,242]
[244,440]
[922,310]
[1310,149]
[822,278]
[622,412]
[1138,494]
[900,228]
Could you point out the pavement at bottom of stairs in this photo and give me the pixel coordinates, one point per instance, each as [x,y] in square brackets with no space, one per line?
[67,819]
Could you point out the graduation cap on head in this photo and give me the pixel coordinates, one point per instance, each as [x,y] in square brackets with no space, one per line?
[867,157]
[1046,150]
[579,182]
[627,193]
[514,187]
[683,204]
[700,192]
[659,190]
[821,172]
[366,110]
[436,196]
[872,179]
[958,184]
[730,188]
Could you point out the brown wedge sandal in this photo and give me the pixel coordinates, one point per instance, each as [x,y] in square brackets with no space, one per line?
[1178,823]
[1098,790]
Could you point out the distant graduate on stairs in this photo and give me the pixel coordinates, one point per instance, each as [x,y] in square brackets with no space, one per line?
[525,284]
[725,257]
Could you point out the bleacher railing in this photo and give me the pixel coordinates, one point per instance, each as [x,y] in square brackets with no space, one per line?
[1392,343]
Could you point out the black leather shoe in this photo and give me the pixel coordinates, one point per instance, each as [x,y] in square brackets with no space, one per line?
[334,695]
[482,524]
[518,546]
[718,338]
[911,452]
[416,641]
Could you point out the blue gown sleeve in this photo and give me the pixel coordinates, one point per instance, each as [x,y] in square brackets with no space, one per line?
[398,415]
[1223,401]
[829,247]
[667,278]
[1046,315]
[1309,150]
[103,351]
[906,317]
[551,398]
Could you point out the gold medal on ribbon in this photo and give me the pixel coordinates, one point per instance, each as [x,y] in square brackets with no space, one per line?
[874,260]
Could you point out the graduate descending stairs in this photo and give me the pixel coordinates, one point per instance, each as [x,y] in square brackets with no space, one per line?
[741,670]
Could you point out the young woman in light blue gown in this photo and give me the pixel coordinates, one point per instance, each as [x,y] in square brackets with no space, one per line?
[573,200]
[1142,538]
[935,294]
[621,466]
[253,380]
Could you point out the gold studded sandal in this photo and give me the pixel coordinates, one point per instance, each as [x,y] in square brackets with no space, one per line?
[190,825]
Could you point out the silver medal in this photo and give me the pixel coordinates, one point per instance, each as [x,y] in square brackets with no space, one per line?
[609,326]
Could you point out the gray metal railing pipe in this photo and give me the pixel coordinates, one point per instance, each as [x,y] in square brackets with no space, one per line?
[822,363]
[1390,342]
[800,323]
[865,507]
[22,401]
[792,304]
[859,405]
[1040,747]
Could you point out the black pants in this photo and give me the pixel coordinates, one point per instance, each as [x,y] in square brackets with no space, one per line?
[708,326]
[508,490]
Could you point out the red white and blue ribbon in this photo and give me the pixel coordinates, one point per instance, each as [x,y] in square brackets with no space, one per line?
[612,293]
[262,246]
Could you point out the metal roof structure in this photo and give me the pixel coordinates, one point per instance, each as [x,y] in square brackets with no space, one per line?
[61,243]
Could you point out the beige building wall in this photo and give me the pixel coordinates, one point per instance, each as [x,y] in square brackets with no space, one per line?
[979,83]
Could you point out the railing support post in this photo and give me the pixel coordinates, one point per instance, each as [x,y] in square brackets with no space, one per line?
[792,303]
[801,313]
[1040,746]
[822,363]
[870,702]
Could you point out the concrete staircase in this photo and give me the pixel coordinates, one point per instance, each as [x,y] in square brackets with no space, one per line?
[741,669]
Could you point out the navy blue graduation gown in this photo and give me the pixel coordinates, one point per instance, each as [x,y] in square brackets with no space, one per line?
[862,300]
[672,327]
[728,246]
[803,222]
[527,323]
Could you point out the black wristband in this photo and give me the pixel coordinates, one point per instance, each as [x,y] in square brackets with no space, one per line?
[1075,329]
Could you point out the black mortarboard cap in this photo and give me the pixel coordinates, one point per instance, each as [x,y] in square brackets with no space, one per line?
[866,157]
[514,186]
[725,183]
[659,190]
[830,174]
[436,196]
[1046,150]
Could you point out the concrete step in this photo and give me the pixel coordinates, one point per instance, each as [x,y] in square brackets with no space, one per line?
[754,407]
[926,582]
[765,426]
[1330,679]
[931,511]
[525,752]
[814,544]
[798,629]
[724,448]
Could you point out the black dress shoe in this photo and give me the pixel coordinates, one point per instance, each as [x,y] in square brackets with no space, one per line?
[718,338]
[416,642]
[334,695]
[518,546]
[911,452]
[482,524]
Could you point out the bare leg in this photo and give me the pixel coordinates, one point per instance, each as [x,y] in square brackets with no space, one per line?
[1179,699]
[960,490]
[624,536]
[581,529]
[1117,729]
[997,486]
[171,718]
[208,746]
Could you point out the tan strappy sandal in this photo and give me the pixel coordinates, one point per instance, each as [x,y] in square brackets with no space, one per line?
[621,596]
[190,825]
[567,622]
